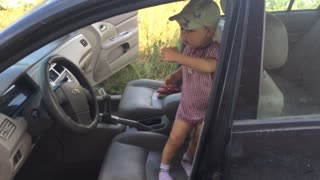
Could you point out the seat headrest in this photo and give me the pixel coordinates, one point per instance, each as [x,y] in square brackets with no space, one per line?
[275,43]
[219,29]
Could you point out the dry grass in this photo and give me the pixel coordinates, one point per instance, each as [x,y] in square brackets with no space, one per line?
[154,25]
[8,16]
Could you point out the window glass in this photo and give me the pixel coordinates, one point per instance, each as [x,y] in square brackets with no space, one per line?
[11,10]
[305,4]
[295,91]
[277,5]
[278,140]
[291,70]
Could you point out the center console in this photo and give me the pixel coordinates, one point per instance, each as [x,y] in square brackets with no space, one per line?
[161,124]
[15,145]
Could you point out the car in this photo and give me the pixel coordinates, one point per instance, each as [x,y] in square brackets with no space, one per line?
[263,116]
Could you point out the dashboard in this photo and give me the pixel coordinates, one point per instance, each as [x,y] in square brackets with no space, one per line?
[23,118]
[15,97]
[99,50]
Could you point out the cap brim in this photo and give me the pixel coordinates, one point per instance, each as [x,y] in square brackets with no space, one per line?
[174,17]
[179,18]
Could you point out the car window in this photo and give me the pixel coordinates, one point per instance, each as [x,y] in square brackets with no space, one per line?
[11,10]
[290,71]
[305,4]
[278,104]
[276,5]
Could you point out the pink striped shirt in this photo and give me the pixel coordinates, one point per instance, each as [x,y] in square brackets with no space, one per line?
[196,86]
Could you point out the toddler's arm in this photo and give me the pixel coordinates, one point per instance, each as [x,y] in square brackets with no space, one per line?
[198,64]
[172,79]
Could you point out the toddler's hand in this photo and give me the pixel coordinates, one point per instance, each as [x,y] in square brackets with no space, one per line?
[171,81]
[169,54]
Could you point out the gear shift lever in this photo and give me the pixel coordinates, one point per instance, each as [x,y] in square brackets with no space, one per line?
[104,101]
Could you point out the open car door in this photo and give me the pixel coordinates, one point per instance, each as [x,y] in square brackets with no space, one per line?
[263,122]
[108,46]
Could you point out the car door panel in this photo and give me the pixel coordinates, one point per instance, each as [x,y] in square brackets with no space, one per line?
[119,44]
[114,44]
[282,147]
[278,148]
[78,50]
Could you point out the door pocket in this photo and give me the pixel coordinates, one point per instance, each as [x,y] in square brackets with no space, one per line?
[117,52]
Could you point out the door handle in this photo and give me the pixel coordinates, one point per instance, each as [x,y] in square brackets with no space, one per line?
[123,33]
[119,39]
[119,35]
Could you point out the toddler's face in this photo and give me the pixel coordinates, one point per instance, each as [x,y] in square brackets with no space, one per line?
[197,37]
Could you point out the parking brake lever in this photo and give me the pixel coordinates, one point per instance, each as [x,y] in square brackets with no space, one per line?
[131,123]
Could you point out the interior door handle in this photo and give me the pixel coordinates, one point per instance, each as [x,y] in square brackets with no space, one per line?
[119,35]
[119,39]
[123,33]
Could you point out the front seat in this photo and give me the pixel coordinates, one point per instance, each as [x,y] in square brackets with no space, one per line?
[139,100]
[136,155]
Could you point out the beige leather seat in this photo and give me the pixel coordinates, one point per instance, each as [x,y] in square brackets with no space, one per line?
[271,101]
[298,79]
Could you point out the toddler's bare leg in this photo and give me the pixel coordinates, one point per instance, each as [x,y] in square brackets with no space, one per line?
[194,140]
[179,132]
[187,158]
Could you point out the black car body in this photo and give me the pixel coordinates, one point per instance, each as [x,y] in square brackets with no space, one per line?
[263,115]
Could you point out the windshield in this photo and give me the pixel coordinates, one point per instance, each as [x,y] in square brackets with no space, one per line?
[11,10]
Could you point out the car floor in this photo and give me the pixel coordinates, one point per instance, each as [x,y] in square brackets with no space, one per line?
[46,162]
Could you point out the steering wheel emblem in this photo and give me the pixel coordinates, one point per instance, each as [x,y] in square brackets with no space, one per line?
[75,91]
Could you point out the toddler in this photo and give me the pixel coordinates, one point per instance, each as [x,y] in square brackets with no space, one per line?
[197,21]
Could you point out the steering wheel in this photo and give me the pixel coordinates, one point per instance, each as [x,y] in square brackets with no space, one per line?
[73,104]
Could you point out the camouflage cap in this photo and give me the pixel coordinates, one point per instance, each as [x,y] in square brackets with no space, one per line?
[198,14]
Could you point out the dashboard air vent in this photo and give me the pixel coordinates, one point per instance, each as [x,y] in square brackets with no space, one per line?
[53,75]
[6,129]
[17,157]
